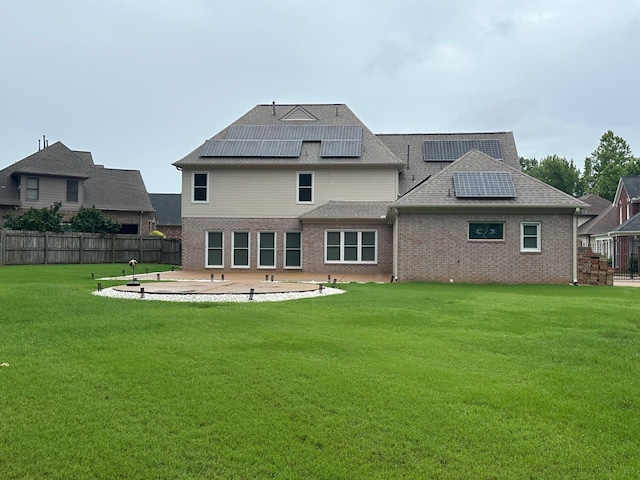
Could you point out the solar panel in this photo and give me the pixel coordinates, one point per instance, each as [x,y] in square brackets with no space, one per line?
[484,185]
[450,150]
[285,141]
[251,148]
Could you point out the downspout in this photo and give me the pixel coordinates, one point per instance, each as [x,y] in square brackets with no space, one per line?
[575,246]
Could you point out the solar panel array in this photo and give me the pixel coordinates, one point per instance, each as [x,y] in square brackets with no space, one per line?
[450,150]
[285,141]
[484,185]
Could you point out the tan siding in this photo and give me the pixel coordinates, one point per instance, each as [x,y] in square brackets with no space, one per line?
[51,190]
[272,193]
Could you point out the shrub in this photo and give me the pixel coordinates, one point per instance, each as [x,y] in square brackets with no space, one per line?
[92,220]
[38,220]
[158,233]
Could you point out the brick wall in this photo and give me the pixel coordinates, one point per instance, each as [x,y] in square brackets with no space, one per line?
[194,244]
[434,247]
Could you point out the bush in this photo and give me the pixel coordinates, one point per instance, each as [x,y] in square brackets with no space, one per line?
[158,233]
[92,220]
[632,264]
[38,220]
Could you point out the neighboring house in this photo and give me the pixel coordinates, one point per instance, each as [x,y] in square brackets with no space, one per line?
[626,234]
[595,223]
[309,187]
[58,174]
[168,214]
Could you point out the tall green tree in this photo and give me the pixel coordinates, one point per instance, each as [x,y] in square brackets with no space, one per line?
[38,220]
[610,161]
[92,220]
[555,171]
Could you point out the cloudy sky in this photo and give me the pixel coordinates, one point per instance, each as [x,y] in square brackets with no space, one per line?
[141,83]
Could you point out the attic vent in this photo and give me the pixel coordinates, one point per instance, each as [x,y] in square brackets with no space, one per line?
[299,113]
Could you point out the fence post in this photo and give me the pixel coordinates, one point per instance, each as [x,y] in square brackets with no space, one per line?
[46,244]
[2,246]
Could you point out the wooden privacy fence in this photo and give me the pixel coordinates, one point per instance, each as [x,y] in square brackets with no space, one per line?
[27,248]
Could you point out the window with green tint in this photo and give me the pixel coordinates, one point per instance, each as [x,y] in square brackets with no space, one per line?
[486,231]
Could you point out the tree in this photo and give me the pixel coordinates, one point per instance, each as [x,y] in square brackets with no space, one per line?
[92,220]
[610,161]
[555,171]
[38,220]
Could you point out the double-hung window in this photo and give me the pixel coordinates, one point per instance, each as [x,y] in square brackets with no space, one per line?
[351,246]
[240,249]
[293,250]
[304,187]
[530,237]
[72,191]
[200,187]
[266,249]
[33,188]
[215,249]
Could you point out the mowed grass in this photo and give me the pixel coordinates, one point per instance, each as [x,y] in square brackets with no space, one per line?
[390,381]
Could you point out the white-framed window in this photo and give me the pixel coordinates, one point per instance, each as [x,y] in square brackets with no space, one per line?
[530,237]
[351,246]
[304,187]
[486,231]
[240,248]
[33,188]
[215,249]
[292,249]
[200,187]
[266,249]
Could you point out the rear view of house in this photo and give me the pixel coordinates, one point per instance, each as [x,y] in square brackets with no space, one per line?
[311,188]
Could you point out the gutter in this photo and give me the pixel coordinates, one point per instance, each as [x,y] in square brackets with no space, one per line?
[575,246]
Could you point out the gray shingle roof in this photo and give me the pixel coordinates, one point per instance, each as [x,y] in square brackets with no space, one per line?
[334,210]
[631,226]
[168,207]
[603,223]
[107,189]
[597,204]
[409,147]
[373,151]
[439,190]
[631,184]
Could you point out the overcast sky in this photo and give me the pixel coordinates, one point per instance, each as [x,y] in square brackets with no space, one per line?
[142,83]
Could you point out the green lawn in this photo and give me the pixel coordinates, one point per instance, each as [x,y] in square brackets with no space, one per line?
[388,381]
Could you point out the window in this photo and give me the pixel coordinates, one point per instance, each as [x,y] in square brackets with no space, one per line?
[72,190]
[486,231]
[240,249]
[266,249]
[215,249]
[292,250]
[351,247]
[530,237]
[200,187]
[33,188]
[305,188]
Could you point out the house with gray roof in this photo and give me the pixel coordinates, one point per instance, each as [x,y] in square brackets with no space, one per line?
[626,235]
[167,217]
[311,188]
[59,174]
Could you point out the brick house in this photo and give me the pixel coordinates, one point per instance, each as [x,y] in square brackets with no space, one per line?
[311,188]
[167,217]
[59,174]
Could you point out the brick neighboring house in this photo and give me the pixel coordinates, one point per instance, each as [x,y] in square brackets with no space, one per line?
[626,236]
[58,174]
[168,214]
[309,187]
